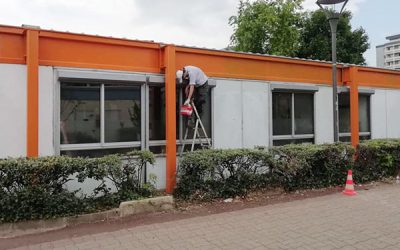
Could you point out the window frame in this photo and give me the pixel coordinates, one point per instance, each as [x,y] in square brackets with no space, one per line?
[63,75]
[364,92]
[102,77]
[292,89]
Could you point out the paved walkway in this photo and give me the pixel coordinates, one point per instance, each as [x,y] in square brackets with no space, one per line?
[370,220]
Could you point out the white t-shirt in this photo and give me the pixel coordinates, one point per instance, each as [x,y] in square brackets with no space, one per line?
[196,76]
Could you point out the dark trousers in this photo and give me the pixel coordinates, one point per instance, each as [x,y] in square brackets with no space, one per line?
[200,97]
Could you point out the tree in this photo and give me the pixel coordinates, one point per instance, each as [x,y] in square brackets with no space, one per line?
[315,40]
[267,26]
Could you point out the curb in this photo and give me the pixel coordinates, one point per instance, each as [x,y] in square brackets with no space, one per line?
[128,208]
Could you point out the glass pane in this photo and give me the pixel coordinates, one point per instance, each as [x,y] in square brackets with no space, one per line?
[293,141]
[344,113]
[94,153]
[157,113]
[303,113]
[345,138]
[365,137]
[79,113]
[122,111]
[205,116]
[281,112]
[364,113]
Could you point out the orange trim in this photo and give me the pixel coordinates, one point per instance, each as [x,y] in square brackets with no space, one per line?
[91,53]
[12,47]
[98,39]
[170,117]
[88,51]
[32,61]
[354,116]
[256,67]
[378,78]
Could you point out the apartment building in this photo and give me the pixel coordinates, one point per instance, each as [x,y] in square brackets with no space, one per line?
[388,54]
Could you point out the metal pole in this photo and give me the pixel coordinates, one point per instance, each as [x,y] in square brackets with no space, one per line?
[333,21]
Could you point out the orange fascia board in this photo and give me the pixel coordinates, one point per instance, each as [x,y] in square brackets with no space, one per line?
[378,78]
[243,66]
[12,48]
[99,55]
[88,51]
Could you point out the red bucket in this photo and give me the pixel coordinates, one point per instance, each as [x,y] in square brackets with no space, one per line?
[186,110]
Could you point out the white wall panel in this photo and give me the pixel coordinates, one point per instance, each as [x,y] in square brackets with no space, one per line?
[13,110]
[323,115]
[378,115]
[228,114]
[46,111]
[255,114]
[393,113]
[159,170]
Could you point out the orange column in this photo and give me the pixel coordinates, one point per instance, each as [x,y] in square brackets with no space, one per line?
[32,64]
[354,116]
[170,116]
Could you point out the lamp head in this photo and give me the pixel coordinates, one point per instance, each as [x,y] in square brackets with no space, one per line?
[335,6]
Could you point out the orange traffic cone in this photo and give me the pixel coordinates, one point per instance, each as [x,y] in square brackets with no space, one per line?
[349,189]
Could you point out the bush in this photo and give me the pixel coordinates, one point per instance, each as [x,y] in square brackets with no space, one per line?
[213,174]
[311,166]
[208,174]
[377,159]
[34,188]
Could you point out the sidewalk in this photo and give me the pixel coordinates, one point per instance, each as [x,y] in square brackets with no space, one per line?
[370,220]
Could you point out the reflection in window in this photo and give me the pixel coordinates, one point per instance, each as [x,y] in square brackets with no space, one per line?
[94,153]
[303,113]
[122,113]
[80,113]
[282,113]
[157,113]
[363,116]
[293,118]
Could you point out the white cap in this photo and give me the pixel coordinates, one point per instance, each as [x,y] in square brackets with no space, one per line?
[179,74]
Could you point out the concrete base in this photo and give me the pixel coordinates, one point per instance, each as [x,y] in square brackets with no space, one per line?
[10,230]
[145,206]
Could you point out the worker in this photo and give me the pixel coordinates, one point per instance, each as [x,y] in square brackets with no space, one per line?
[196,86]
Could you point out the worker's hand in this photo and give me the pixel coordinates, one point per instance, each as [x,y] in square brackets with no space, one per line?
[187,102]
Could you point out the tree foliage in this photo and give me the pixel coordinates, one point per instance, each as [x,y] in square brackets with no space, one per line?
[267,26]
[282,28]
[315,40]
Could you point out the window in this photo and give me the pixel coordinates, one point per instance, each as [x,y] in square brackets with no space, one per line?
[157,142]
[344,117]
[105,113]
[293,117]
[95,118]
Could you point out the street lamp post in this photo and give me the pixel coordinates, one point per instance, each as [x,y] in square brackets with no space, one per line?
[330,7]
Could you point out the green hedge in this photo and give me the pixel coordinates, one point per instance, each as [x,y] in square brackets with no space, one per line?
[35,188]
[377,159]
[210,174]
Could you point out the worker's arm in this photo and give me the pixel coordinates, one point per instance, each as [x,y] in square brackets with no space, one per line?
[190,94]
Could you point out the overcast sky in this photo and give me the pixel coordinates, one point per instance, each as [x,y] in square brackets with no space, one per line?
[202,23]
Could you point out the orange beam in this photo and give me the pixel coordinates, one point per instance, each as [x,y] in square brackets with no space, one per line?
[256,67]
[170,116]
[354,116]
[32,64]
[12,47]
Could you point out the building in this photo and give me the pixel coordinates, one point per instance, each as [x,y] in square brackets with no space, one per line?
[388,54]
[74,94]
